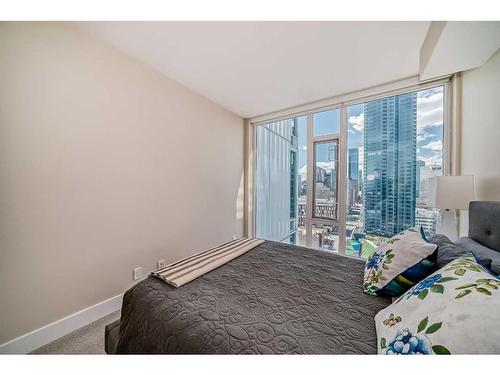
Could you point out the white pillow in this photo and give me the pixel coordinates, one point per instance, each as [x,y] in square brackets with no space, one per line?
[455,310]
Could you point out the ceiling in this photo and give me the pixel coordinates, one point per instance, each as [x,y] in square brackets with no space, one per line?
[457,46]
[254,68]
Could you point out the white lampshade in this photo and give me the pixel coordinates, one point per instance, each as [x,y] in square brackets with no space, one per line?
[451,192]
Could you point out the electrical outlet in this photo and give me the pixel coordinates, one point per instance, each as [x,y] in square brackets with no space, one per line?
[137,273]
[160,264]
[235,237]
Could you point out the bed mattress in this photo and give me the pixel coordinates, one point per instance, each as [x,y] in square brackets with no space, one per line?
[276,298]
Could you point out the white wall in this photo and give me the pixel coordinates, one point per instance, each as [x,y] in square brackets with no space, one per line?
[105,165]
[480,148]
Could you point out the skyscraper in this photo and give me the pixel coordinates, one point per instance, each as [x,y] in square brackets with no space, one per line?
[352,177]
[389,176]
[420,164]
[353,165]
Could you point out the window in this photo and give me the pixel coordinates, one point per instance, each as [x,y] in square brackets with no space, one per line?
[325,179]
[345,179]
[326,122]
[325,237]
[394,145]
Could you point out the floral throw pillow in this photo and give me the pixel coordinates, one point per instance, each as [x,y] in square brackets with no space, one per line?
[399,264]
[456,310]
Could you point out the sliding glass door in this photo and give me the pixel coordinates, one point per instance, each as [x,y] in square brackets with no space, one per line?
[346,178]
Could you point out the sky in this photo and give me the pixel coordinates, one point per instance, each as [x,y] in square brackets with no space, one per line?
[429,125]
[429,128]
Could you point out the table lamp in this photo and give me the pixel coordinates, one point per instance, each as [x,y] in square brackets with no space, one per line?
[448,194]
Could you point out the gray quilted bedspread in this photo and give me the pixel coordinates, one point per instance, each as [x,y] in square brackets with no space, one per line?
[276,298]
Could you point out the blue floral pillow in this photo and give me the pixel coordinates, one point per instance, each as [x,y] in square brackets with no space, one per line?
[456,310]
[399,264]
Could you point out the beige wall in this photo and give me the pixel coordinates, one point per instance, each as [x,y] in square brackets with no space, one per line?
[105,165]
[481,130]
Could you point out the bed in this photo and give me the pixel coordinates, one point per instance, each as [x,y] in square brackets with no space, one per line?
[276,298]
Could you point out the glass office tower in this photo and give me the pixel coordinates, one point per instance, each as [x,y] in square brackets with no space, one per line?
[389,177]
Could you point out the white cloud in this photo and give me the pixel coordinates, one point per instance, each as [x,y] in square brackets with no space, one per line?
[432,160]
[327,165]
[429,111]
[357,122]
[423,136]
[434,146]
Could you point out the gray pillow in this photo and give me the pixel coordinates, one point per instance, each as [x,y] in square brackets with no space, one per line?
[449,251]
[481,251]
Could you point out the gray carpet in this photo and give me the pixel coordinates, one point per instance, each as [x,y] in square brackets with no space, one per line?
[86,340]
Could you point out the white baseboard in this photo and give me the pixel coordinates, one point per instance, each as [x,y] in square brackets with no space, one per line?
[41,336]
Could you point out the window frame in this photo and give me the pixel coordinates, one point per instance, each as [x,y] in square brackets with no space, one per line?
[342,103]
[323,140]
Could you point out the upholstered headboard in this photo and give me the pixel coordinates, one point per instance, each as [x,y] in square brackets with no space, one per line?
[484,223]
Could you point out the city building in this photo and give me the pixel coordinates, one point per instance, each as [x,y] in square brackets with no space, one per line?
[352,193]
[420,164]
[353,176]
[320,174]
[361,163]
[353,164]
[390,164]
[425,172]
[427,219]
